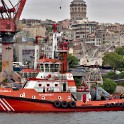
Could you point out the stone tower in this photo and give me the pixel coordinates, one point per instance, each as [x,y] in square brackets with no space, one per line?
[78,10]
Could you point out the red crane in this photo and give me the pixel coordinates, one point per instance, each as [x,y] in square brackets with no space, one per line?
[9,17]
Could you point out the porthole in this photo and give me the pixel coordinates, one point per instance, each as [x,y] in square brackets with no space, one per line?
[43,97]
[21,95]
[33,97]
[56,85]
[40,85]
[69,97]
[59,97]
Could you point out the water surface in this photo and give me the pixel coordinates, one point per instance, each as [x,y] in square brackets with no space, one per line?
[63,118]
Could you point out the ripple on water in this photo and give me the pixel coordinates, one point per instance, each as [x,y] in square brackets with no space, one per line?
[63,118]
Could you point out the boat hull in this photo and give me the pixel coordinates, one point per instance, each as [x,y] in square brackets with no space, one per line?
[13,104]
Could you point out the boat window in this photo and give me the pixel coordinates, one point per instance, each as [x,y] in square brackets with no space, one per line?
[30,75]
[51,67]
[47,67]
[25,75]
[41,67]
[56,67]
[63,77]
[48,85]
[33,74]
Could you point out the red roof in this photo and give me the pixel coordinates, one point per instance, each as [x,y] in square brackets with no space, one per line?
[29,70]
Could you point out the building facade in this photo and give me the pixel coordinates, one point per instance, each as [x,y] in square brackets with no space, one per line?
[27,54]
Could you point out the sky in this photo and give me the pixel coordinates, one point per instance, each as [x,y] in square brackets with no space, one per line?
[103,11]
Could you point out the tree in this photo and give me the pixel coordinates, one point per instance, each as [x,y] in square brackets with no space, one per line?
[110,75]
[109,85]
[72,61]
[114,60]
[120,50]
[78,81]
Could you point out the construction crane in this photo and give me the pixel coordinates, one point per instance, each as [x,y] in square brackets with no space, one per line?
[90,55]
[9,17]
[92,59]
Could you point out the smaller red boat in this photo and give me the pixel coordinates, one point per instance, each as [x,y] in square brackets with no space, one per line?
[54,90]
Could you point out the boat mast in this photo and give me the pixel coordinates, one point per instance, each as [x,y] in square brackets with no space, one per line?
[60,47]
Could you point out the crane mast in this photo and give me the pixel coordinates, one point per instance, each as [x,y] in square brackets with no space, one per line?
[9,17]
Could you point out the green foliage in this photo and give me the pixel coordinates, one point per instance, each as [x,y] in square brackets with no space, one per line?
[73,61]
[49,28]
[78,81]
[109,85]
[120,51]
[110,75]
[120,76]
[114,60]
[120,84]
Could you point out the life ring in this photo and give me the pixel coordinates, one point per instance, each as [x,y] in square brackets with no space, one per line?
[113,104]
[117,104]
[121,104]
[64,104]
[108,105]
[57,103]
[72,104]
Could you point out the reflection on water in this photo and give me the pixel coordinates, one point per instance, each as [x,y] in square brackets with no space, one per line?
[63,118]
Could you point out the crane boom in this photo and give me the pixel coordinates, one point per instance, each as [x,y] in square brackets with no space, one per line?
[10,15]
[20,8]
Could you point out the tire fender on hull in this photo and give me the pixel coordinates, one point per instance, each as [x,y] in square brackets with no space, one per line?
[57,103]
[64,104]
[108,105]
[114,105]
[72,104]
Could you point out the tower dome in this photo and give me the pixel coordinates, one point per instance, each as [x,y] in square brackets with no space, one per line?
[77,0]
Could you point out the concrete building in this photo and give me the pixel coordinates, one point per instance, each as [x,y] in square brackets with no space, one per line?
[37,30]
[78,10]
[27,54]
[92,41]
[84,29]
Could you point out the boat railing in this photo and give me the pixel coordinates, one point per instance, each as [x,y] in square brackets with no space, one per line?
[49,89]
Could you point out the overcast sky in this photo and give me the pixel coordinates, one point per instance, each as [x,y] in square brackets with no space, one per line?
[97,10]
